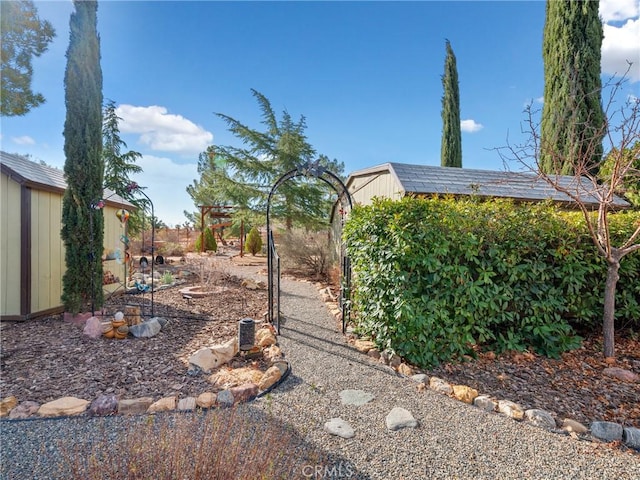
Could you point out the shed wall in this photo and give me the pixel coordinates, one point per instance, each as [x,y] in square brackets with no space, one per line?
[10,213]
[380,184]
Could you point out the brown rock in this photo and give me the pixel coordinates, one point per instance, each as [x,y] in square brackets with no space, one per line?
[265,337]
[244,393]
[272,353]
[572,426]
[206,400]
[464,393]
[621,374]
[510,409]
[134,406]
[63,406]
[406,370]
[439,385]
[271,376]
[374,353]
[24,410]
[165,404]
[187,404]
[104,405]
[364,345]
[7,404]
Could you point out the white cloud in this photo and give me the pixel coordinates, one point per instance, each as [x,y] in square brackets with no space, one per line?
[617,10]
[23,140]
[166,183]
[621,43]
[470,126]
[163,131]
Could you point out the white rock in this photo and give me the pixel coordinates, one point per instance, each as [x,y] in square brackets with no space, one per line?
[355,397]
[337,426]
[399,418]
[204,359]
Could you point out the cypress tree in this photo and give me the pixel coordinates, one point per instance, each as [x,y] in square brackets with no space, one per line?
[572,115]
[451,146]
[82,218]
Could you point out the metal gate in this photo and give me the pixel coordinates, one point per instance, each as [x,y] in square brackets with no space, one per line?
[315,170]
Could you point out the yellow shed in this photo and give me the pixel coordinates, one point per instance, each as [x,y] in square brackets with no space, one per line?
[31,249]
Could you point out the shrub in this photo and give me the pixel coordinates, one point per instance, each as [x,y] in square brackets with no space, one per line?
[306,252]
[437,278]
[171,249]
[210,243]
[254,242]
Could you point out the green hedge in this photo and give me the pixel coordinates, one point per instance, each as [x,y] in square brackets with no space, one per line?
[437,278]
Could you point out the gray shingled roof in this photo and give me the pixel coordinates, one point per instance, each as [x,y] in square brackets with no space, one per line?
[35,175]
[427,179]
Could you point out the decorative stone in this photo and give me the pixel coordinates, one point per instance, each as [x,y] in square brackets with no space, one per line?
[206,400]
[165,404]
[510,409]
[385,356]
[225,398]
[135,406]
[24,410]
[364,345]
[224,352]
[485,403]
[204,360]
[63,406]
[355,397]
[464,393]
[540,418]
[270,377]
[147,329]
[340,428]
[374,353]
[93,328]
[230,377]
[439,385]
[395,361]
[187,404]
[570,425]
[630,437]
[420,378]
[272,353]
[607,431]
[406,370]
[249,284]
[244,393]
[7,404]
[161,320]
[265,337]
[104,405]
[399,418]
[622,374]
[282,366]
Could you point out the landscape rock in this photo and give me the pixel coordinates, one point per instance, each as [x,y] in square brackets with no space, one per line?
[134,406]
[104,405]
[485,403]
[230,377]
[204,360]
[607,431]
[244,393]
[161,320]
[540,418]
[340,428]
[282,366]
[24,410]
[510,409]
[406,370]
[374,353]
[573,426]
[165,404]
[93,328]
[420,378]
[621,374]
[225,398]
[631,437]
[206,400]
[364,345]
[270,377]
[272,353]
[147,329]
[265,337]
[355,397]
[7,404]
[464,393]
[225,351]
[399,418]
[395,361]
[63,406]
[187,404]
[439,385]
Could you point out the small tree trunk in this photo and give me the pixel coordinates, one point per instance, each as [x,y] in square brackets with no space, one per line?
[610,307]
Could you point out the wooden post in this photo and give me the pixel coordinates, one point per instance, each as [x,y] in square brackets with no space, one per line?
[241,238]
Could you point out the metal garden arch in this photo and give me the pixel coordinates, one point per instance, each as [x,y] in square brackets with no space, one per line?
[309,170]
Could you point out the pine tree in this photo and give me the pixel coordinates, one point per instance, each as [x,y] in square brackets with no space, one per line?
[24,36]
[254,242]
[572,115]
[82,218]
[451,146]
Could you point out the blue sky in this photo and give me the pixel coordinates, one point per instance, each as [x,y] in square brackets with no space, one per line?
[366,75]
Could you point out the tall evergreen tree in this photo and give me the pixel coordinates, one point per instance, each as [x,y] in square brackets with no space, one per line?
[572,115]
[23,36]
[82,218]
[451,146]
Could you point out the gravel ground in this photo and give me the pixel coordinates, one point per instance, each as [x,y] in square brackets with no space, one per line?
[453,440]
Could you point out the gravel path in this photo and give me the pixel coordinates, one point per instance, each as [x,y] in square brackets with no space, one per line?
[452,440]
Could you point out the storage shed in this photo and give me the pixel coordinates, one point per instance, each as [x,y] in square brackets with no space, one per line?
[31,250]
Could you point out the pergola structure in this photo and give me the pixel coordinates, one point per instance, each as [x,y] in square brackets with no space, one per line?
[222,212]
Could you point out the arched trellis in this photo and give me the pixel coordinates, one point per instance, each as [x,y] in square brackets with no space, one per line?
[315,170]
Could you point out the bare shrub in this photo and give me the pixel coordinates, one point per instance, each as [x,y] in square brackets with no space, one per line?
[306,252]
